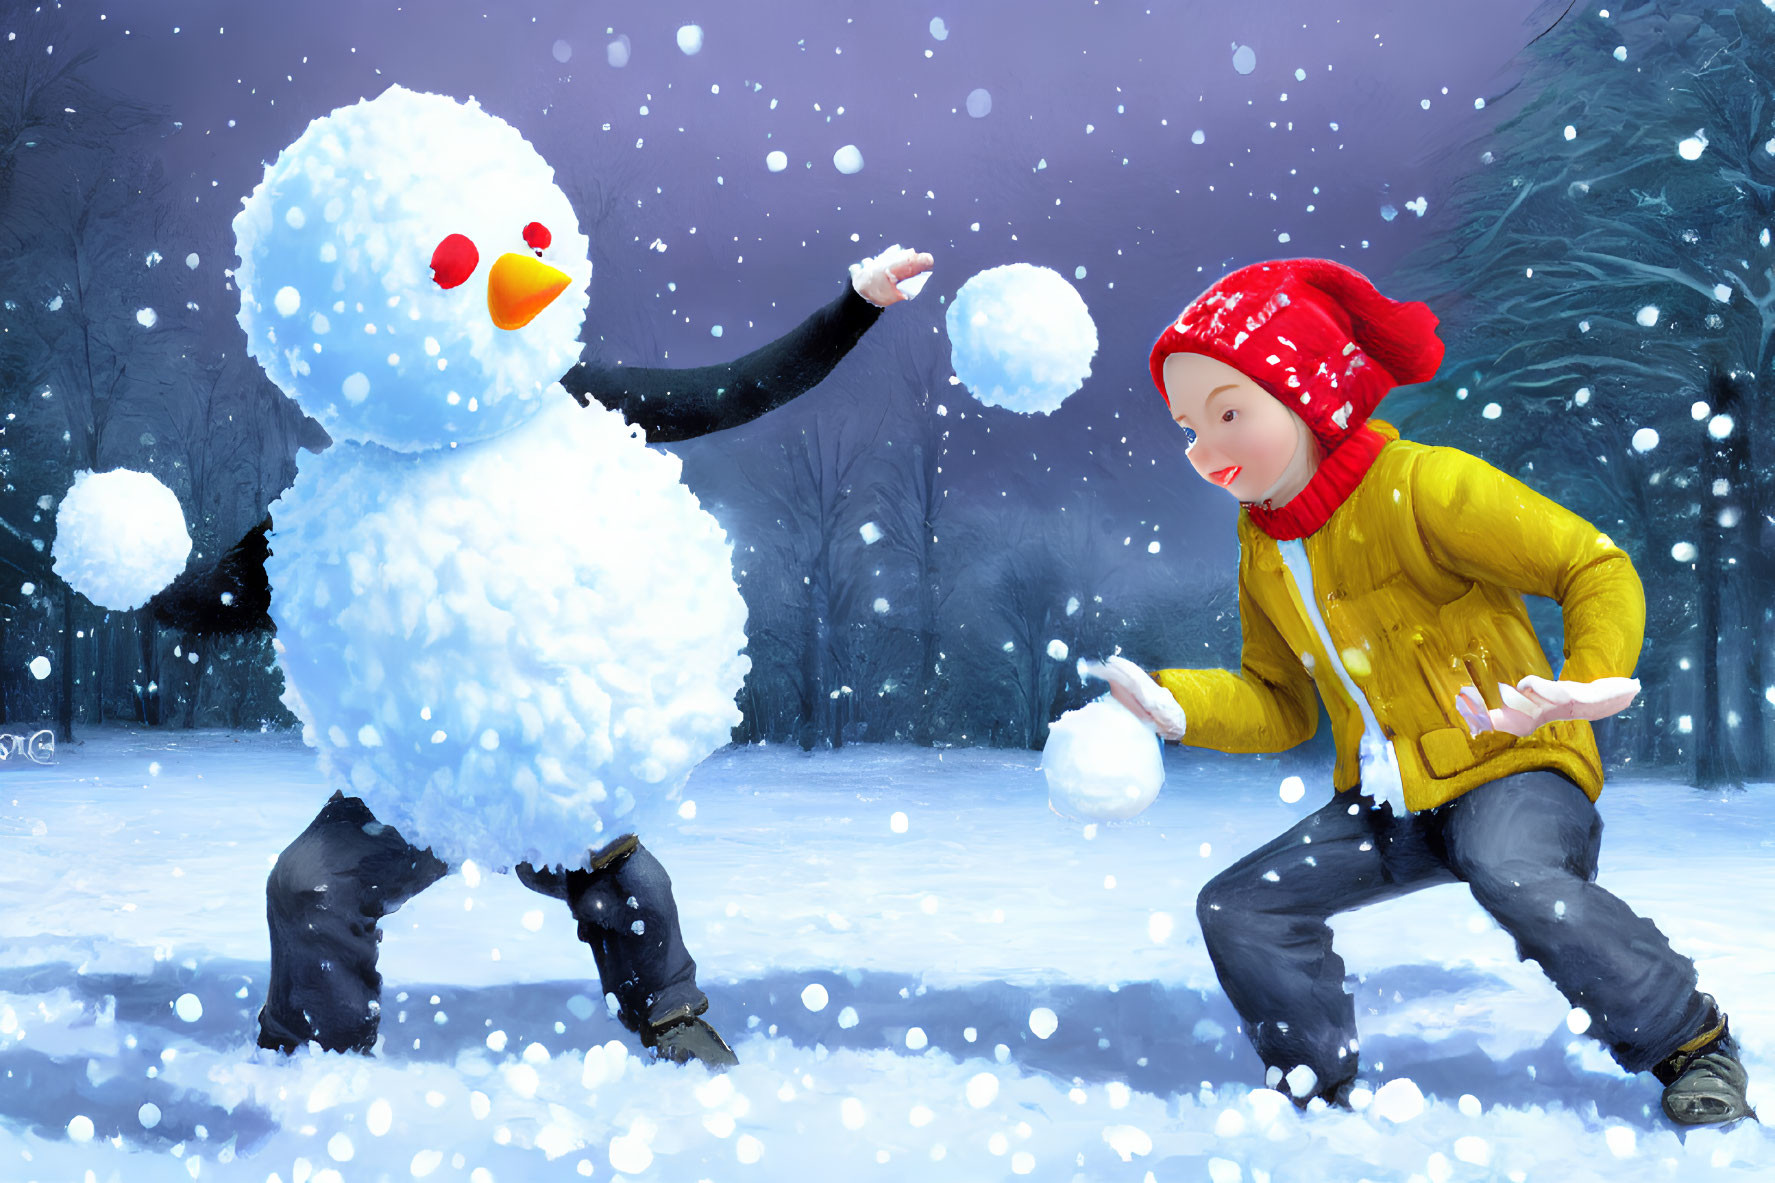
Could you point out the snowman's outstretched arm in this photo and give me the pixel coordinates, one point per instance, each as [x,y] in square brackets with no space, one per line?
[683,404]
[230,595]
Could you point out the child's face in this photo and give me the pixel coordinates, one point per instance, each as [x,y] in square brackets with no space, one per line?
[1244,438]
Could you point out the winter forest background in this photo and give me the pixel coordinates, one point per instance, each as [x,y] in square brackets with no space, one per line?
[1587,205]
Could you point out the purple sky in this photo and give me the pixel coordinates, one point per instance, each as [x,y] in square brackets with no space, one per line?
[1084,86]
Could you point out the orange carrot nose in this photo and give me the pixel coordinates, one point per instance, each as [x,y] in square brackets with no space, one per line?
[519,287]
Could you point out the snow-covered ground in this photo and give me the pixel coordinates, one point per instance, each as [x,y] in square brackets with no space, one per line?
[975,990]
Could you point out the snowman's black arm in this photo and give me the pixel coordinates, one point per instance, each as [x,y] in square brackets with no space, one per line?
[668,404]
[674,405]
[192,603]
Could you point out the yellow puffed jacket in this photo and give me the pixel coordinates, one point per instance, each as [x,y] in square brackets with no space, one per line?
[1419,576]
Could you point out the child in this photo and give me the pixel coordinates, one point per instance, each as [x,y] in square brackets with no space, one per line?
[1389,576]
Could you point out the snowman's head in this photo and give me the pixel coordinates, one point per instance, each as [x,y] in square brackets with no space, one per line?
[411,274]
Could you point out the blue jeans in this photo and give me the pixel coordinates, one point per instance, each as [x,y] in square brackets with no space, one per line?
[1526,845]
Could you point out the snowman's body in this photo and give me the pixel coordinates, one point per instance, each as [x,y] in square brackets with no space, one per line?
[503,621]
[513,649]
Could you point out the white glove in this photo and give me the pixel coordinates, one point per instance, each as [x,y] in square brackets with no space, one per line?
[898,273]
[1134,688]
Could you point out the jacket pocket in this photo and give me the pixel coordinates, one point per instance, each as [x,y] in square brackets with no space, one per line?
[1446,751]
[1443,738]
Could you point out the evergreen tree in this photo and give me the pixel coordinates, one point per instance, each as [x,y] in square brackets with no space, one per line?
[1610,282]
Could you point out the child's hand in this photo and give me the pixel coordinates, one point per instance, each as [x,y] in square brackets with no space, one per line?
[1134,689]
[879,280]
[1535,701]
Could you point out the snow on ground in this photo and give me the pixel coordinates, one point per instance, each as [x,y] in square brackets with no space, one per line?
[1000,994]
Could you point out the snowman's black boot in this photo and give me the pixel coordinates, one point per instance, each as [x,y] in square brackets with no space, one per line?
[627,916]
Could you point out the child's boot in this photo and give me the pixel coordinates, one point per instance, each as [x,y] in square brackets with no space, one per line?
[1703,1079]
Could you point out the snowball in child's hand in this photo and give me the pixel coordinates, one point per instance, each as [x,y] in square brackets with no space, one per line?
[1101,763]
[1020,337]
[120,537]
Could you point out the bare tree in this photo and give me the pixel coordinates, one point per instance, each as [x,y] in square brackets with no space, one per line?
[811,494]
[49,104]
[910,505]
[1048,594]
[85,335]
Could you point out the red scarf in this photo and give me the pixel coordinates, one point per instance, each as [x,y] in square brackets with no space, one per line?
[1337,477]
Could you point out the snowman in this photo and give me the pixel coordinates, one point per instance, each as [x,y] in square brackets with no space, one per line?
[508,629]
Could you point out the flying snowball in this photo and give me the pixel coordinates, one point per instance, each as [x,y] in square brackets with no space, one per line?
[617,52]
[1101,763]
[1244,59]
[777,161]
[690,39]
[1020,337]
[979,103]
[39,667]
[120,538]
[848,159]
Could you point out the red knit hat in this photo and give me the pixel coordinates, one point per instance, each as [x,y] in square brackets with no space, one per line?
[1313,333]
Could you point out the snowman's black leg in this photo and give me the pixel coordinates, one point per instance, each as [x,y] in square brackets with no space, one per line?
[322,900]
[627,916]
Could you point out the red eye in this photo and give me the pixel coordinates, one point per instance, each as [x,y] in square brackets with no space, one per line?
[537,236]
[454,260]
